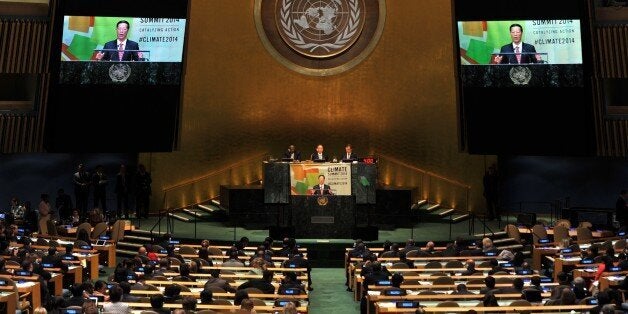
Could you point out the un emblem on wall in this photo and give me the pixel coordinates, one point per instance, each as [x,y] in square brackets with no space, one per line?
[320,29]
[119,72]
[320,37]
[520,75]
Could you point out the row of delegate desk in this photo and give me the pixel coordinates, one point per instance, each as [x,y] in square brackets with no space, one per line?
[386,304]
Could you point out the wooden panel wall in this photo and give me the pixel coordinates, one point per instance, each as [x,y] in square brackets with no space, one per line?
[611,62]
[24,49]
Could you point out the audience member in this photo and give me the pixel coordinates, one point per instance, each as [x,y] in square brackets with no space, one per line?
[263,284]
[157,304]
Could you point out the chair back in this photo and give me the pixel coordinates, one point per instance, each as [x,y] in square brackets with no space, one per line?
[454,264]
[214,251]
[513,232]
[443,280]
[117,230]
[99,229]
[399,265]
[187,250]
[52,229]
[520,303]
[620,244]
[538,232]
[253,291]
[216,290]
[413,253]
[433,265]
[563,222]
[584,234]
[41,242]
[221,302]
[43,226]
[561,233]
[448,304]
[585,224]
[257,302]
[84,226]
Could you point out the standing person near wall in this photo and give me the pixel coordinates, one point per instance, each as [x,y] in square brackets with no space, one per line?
[143,181]
[491,192]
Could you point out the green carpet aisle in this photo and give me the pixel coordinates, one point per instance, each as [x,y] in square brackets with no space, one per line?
[329,295]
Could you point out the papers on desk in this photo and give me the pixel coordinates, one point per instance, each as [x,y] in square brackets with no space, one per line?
[615,278]
[571,259]
[25,284]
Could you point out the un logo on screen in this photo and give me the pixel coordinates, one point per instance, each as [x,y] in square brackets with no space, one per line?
[320,29]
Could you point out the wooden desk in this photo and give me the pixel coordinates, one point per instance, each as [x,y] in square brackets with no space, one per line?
[10,301]
[572,232]
[300,309]
[507,309]
[34,287]
[610,281]
[108,252]
[91,261]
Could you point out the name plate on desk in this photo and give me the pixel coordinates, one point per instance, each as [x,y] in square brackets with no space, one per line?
[322,219]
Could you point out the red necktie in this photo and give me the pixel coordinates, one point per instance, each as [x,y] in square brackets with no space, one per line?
[120,51]
[518,54]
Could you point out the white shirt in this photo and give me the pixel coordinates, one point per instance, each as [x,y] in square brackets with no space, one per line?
[320,156]
[520,45]
[121,42]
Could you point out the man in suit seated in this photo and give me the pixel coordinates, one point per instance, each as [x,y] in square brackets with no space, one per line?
[517,52]
[264,284]
[470,268]
[321,188]
[319,155]
[349,155]
[292,153]
[122,45]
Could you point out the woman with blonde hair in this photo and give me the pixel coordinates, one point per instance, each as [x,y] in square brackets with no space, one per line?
[290,308]
[40,310]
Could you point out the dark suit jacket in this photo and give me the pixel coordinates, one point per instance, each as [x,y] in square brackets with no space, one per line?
[261,284]
[127,56]
[317,190]
[526,56]
[314,156]
[297,155]
[354,156]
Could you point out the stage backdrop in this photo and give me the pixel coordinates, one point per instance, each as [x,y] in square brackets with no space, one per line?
[400,101]
[304,176]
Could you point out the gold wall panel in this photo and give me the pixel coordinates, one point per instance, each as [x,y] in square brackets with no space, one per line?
[239,102]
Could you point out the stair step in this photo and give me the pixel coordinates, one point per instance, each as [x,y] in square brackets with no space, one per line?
[128,245]
[442,212]
[513,247]
[208,208]
[216,202]
[459,217]
[421,202]
[136,238]
[146,232]
[180,217]
[497,234]
[125,252]
[503,240]
[198,213]
[433,207]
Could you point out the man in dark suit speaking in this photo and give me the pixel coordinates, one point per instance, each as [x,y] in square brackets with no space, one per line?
[321,188]
[517,52]
[122,44]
